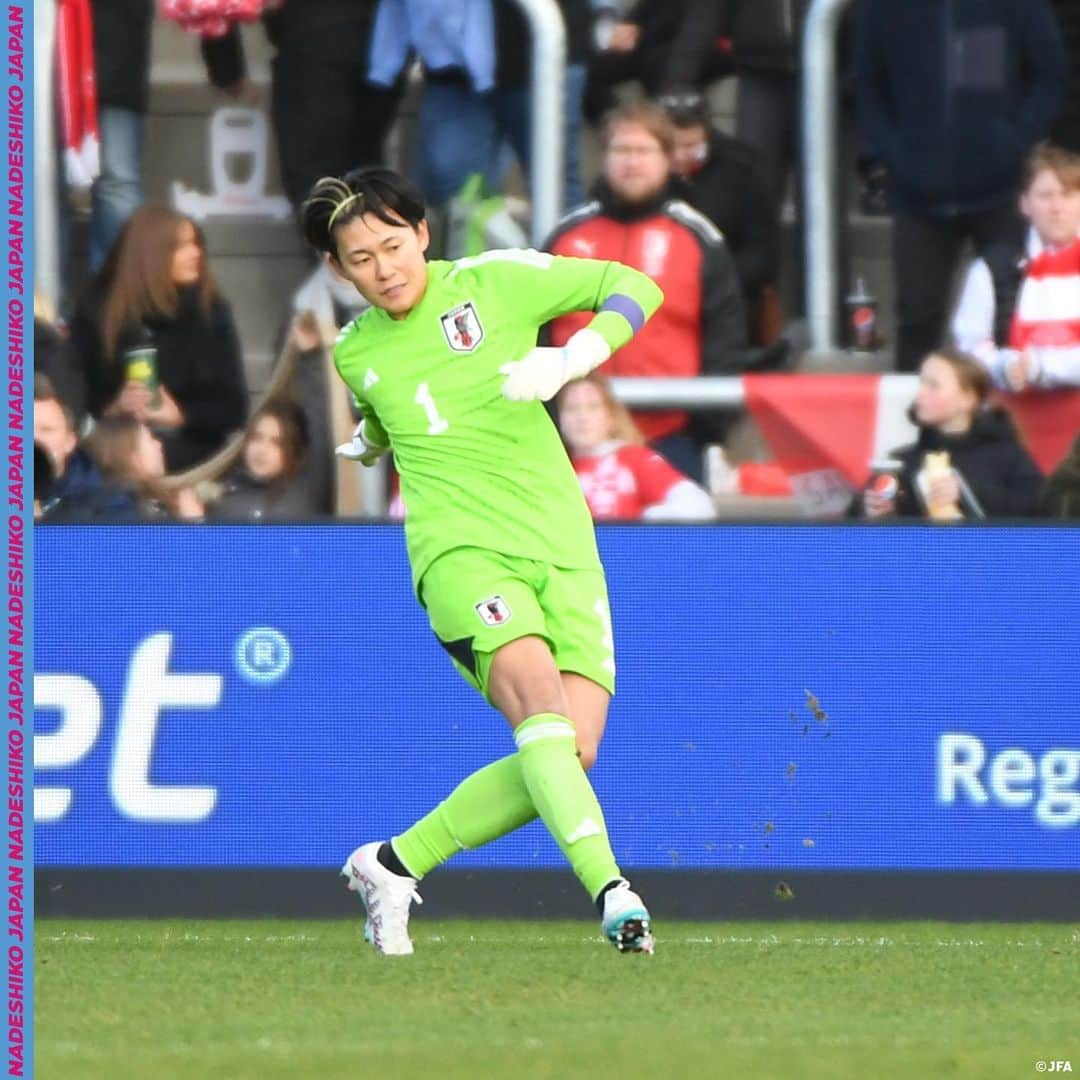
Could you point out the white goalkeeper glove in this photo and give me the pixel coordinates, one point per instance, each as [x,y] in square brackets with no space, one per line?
[545,371]
[360,449]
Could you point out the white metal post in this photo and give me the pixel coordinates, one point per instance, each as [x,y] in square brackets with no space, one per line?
[819,169]
[548,108]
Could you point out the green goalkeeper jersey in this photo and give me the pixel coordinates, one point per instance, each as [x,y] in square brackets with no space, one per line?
[476,469]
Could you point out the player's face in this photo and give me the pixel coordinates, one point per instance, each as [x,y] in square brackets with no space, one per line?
[1052,208]
[52,431]
[583,417]
[263,452]
[384,262]
[636,166]
[942,401]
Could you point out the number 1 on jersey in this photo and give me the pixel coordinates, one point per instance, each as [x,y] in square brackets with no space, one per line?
[436,424]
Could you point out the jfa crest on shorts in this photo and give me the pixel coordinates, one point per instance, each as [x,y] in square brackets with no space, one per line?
[494,611]
[461,327]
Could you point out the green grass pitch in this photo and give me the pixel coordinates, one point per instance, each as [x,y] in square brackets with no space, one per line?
[171,1000]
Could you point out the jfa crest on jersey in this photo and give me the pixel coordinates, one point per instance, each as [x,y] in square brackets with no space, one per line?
[461,327]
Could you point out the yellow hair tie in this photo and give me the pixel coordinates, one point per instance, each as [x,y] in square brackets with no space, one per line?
[341,206]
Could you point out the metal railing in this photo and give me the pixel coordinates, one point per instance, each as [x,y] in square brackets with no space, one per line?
[819,95]
[548,114]
[698,392]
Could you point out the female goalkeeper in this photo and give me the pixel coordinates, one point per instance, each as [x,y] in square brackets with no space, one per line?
[447,374]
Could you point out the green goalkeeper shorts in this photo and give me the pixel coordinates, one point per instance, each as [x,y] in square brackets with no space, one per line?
[478,600]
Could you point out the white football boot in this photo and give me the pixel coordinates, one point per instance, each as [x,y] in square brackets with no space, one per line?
[626,923]
[386,897]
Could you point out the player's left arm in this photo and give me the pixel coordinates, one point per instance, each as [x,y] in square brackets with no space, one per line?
[623,299]
[370,440]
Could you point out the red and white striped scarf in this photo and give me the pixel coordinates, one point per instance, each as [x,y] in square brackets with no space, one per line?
[1048,307]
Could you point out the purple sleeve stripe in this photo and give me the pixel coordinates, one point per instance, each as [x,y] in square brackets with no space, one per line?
[629,309]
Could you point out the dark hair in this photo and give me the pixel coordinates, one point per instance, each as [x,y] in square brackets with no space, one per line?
[686,108]
[44,390]
[136,278]
[295,436]
[335,201]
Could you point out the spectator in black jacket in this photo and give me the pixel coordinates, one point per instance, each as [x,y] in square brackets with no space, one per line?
[327,117]
[985,471]
[766,41]
[725,182]
[154,315]
[660,43]
[950,98]
[122,64]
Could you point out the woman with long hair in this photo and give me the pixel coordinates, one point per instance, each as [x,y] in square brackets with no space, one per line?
[967,460]
[157,340]
[622,478]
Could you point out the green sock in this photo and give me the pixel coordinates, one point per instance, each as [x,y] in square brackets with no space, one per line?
[491,803]
[564,798]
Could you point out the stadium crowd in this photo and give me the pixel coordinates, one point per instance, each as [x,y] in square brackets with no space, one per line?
[966,121]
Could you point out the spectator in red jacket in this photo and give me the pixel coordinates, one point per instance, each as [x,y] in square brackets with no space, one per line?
[621,477]
[637,217]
